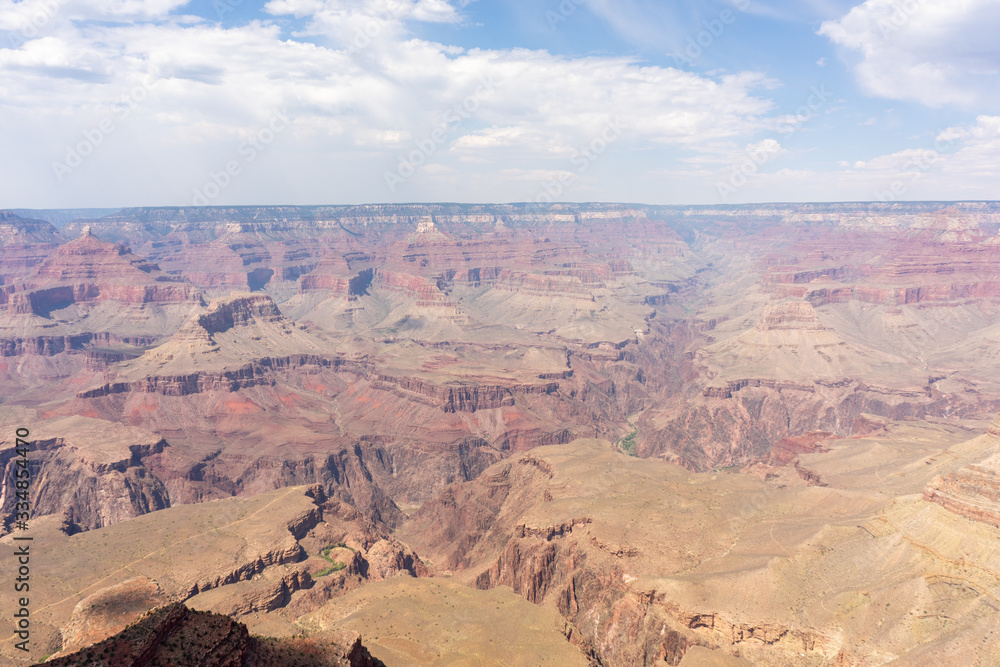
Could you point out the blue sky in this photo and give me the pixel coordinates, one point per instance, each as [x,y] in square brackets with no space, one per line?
[167,102]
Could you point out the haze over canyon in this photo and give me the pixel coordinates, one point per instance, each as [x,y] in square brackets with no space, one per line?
[552,434]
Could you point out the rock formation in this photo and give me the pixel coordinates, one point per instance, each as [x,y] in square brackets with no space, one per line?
[974,490]
[175,635]
[827,364]
[631,556]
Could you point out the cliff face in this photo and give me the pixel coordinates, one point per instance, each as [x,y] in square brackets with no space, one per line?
[974,490]
[91,472]
[632,555]
[498,531]
[88,269]
[259,372]
[270,554]
[444,337]
[24,244]
[395,357]
[469,398]
[242,311]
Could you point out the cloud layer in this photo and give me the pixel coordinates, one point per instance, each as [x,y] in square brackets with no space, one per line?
[128,102]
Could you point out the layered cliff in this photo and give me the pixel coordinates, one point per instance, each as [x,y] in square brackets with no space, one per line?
[241,557]
[24,244]
[974,490]
[90,471]
[646,562]
[90,270]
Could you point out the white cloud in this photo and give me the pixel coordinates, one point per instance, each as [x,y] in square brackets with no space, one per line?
[29,18]
[206,88]
[962,162]
[359,23]
[936,52]
[356,110]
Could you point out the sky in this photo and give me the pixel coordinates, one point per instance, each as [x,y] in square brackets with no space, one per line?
[107,103]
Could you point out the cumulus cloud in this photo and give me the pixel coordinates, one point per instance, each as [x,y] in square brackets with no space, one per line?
[183,94]
[359,23]
[936,52]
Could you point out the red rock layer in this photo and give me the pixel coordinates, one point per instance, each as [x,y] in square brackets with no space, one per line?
[895,267]
[240,311]
[88,270]
[973,491]
[24,244]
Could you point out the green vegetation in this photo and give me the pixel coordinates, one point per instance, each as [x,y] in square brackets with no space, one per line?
[627,444]
[335,565]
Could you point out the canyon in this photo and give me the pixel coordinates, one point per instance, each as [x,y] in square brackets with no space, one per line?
[579,433]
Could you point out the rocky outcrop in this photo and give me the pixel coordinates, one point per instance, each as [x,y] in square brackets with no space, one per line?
[267,590]
[335,277]
[790,315]
[89,270]
[425,291]
[974,490]
[24,244]
[176,635]
[281,553]
[251,375]
[94,473]
[225,314]
[465,397]
[48,346]
[109,611]
[388,558]
[548,285]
